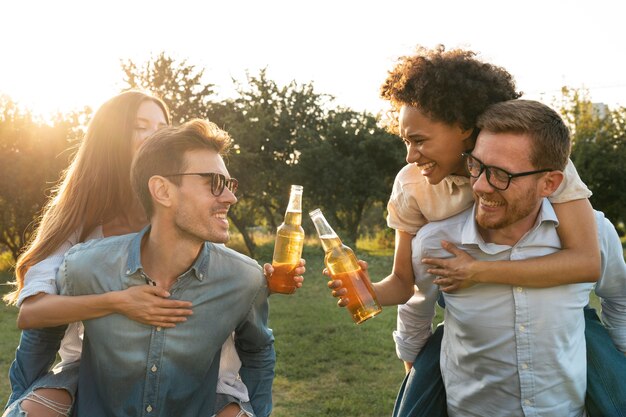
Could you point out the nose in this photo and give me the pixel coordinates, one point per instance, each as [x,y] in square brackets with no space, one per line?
[481,185]
[412,154]
[228,197]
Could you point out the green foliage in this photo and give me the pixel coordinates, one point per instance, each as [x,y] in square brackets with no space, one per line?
[179,84]
[599,151]
[269,124]
[32,155]
[353,167]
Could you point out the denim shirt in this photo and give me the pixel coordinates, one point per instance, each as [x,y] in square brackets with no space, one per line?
[511,350]
[133,369]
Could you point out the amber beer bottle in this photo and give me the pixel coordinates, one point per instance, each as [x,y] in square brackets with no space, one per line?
[342,264]
[288,246]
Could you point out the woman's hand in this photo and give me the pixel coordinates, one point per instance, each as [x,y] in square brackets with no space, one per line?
[148,304]
[268,270]
[453,273]
[336,285]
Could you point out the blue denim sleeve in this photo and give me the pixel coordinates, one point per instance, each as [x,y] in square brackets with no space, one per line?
[33,358]
[255,345]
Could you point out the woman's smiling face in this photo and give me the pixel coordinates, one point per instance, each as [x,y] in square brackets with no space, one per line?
[433,146]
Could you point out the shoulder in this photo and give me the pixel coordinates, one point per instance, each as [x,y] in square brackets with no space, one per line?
[410,175]
[97,248]
[450,225]
[229,258]
[450,229]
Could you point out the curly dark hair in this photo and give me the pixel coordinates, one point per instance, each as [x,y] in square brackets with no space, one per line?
[452,87]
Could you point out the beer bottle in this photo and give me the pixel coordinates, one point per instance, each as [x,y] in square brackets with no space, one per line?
[288,246]
[342,264]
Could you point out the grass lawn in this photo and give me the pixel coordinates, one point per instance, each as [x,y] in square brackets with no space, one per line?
[326,365]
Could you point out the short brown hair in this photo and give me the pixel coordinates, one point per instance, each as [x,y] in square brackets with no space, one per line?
[163,153]
[549,134]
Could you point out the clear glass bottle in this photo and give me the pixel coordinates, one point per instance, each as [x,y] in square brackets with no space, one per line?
[288,246]
[342,264]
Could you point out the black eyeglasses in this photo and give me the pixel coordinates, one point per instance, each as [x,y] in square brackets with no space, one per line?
[496,177]
[218,181]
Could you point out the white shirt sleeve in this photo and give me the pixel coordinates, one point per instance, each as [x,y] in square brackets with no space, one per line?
[41,277]
[414,324]
[611,287]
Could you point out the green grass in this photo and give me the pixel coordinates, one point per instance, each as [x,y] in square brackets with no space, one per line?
[326,365]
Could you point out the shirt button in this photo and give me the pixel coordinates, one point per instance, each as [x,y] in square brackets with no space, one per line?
[527,402]
[519,289]
[154,368]
[149,408]
[524,366]
[158,329]
[522,328]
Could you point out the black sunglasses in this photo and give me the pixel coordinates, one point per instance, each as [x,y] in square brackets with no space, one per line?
[218,181]
[496,177]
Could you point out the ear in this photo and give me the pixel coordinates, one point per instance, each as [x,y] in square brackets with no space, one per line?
[550,182]
[469,138]
[161,191]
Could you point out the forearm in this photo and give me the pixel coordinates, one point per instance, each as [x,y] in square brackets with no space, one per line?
[257,373]
[562,267]
[50,310]
[398,287]
[393,290]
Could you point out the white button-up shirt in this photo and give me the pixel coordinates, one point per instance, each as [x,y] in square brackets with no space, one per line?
[508,350]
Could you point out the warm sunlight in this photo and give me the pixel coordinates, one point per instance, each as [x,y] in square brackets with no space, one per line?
[61,57]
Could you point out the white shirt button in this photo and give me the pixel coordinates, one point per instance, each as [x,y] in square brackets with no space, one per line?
[519,289]
[527,402]
[154,368]
[149,408]
[522,328]
[524,366]
[158,329]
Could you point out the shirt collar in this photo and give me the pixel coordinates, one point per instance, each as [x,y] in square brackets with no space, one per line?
[199,267]
[471,236]
[454,181]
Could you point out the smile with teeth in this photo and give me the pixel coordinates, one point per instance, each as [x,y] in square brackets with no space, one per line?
[490,203]
[221,216]
[427,166]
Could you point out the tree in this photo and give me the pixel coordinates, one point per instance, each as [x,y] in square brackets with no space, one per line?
[269,124]
[350,168]
[598,151]
[32,156]
[179,84]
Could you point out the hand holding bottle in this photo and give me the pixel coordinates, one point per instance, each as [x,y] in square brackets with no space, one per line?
[288,247]
[337,287]
[344,267]
[298,279]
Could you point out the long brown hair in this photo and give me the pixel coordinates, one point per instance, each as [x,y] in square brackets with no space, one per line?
[94,189]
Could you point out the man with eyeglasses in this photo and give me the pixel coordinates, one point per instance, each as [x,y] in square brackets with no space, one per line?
[513,351]
[131,369]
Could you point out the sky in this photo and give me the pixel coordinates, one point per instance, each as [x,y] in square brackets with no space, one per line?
[64,54]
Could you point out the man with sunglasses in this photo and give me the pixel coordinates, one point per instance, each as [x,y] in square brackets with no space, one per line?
[513,351]
[130,369]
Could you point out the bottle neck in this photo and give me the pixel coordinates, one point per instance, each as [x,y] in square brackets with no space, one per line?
[293,217]
[330,242]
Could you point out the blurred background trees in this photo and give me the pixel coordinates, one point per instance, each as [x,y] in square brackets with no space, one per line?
[282,135]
